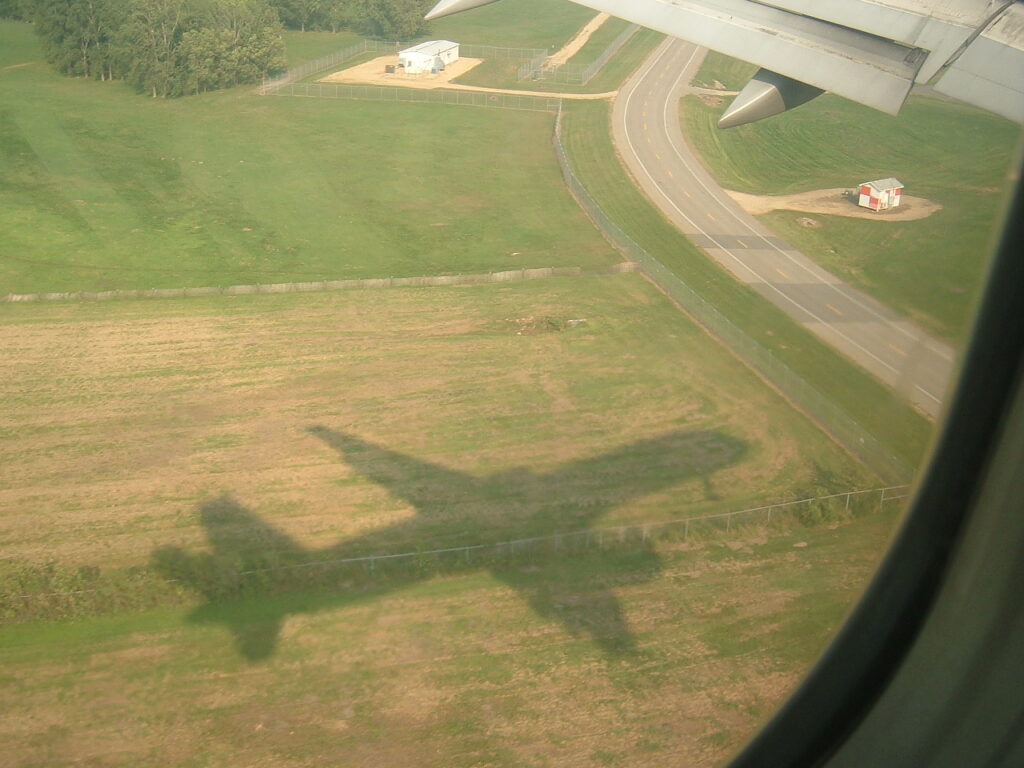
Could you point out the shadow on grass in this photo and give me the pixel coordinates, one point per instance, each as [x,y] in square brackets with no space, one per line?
[255,576]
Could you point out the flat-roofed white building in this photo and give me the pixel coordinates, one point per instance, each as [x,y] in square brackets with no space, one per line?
[431,56]
[881,194]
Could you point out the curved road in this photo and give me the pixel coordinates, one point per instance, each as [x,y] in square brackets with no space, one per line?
[649,138]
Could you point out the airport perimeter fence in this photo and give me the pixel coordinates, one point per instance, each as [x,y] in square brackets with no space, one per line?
[83,591]
[574,74]
[332,60]
[805,512]
[840,425]
[307,287]
[392,93]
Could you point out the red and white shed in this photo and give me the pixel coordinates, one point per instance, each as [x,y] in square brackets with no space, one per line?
[881,194]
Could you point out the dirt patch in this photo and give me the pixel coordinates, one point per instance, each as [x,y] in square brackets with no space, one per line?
[711,101]
[835,202]
[573,47]
[373,73]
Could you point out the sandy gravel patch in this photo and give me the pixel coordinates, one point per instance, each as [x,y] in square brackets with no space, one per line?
[372,73]
[573,47]
[833,202]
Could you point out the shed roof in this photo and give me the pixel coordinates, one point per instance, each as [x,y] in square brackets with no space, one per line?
[432,47]
[883,184]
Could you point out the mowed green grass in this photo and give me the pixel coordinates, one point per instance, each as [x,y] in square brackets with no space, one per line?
[718,70]
[877,408]
[521,24]
[498,73]
[106,189]
[930,269]
[452,671]
[306,46]
[599,41]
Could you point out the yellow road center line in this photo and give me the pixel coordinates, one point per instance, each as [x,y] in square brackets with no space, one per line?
[671,175]
[897,350]
[834,309]
[782,273]
[712,217]
[687,193]
[742,244]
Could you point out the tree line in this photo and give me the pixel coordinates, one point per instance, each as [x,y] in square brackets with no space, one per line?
[177,47]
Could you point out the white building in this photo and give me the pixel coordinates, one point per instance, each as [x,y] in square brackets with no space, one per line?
[431,56]
[881,194]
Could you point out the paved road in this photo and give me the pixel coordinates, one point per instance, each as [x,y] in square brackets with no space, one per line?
[649,138]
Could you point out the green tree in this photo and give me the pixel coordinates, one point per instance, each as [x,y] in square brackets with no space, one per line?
[390,19]
[236,41]
[77,35]
[149,40]
[19,10]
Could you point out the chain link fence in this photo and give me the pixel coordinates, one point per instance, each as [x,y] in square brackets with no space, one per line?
[51,592]
[569,73]
[398,94]
[333,60]
[844,429]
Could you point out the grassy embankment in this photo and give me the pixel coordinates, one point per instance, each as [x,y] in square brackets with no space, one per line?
[930,269]
[107,189]
[723,72]
[875,406]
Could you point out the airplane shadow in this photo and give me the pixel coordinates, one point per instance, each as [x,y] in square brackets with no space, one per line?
[254,576]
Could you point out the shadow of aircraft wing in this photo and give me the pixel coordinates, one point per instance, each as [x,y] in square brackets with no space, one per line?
[425,485]
[590,487]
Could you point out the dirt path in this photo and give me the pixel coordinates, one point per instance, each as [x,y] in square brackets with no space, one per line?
[833,201]
[373,73]
[571,48]
[15,66]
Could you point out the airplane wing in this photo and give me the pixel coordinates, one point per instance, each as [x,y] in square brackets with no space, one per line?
[870,51]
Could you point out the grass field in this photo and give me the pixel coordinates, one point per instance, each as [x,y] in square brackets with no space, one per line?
[522,24]
[127,424]
[721,71]
[306,46]
[496,73]
[950,153]
[121,419]
[106,189]
[454,671]
[882,412]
